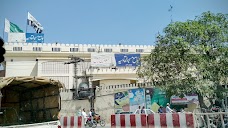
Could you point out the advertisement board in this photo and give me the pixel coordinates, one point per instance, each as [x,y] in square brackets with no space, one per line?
[189,98]
[121,100]
[137,98]
[127,59]
[34,37]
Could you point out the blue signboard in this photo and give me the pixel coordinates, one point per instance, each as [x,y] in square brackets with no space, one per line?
[127,59]
[34,37]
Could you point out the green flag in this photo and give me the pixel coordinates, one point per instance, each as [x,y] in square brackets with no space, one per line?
[11,27]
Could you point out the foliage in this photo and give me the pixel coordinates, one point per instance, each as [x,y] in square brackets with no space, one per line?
[191,56]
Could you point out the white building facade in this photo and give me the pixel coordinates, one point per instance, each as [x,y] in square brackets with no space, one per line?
[48,60]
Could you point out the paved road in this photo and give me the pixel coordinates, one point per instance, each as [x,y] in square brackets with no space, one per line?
[99,126]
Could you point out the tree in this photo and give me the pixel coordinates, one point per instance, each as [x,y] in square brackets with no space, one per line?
[2,50]
[190,57]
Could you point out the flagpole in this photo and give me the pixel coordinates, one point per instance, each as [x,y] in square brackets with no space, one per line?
[26,23]
[4,30]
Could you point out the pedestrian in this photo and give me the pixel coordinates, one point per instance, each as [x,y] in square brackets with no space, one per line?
[84,115]
[160,109]
[168,109]
[143,110]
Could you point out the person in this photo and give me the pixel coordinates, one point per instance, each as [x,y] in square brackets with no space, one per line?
[160,109]
[168,109]
[142,110]
[139,107]
[90,112]
[84,115]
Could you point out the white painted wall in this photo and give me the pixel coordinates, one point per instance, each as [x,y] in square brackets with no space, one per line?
[21,68]
[114,82]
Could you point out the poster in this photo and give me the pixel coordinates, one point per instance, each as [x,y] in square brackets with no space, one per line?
[159,97]
[148,96]
[137,98]
[121,100]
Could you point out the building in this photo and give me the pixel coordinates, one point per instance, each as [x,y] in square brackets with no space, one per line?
[49,60]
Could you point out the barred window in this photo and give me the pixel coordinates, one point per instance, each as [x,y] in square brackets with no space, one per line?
[123,50]
[37,48]
[73,49]
[139,50]
[107,50]
[17,48]
[56,49]
[91,50]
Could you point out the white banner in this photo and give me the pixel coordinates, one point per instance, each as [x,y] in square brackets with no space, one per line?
[16,37]
[193,98]
[102,60]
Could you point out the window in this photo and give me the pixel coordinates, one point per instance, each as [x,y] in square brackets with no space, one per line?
[37,48]
[17,48]
[73,49]
[91,50]
[107,50]
[55,49]
[139,50]
[123,50]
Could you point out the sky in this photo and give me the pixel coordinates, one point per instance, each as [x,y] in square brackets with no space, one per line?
[129,22]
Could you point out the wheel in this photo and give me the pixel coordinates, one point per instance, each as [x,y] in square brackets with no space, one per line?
[94,124]
[102,123]
[90,124]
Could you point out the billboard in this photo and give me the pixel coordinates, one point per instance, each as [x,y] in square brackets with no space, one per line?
[16,37]
[189,98]
[102,60]
[127,59]
[121,100]
[34,37]
[136,98]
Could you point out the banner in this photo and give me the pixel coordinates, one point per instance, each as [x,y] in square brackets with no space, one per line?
[102,60]
[34,23]
[121,100]
[16,37]
[137,98]
[34,38]
[127,59]
[190,98]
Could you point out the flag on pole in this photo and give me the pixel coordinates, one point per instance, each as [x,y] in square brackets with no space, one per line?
[34,23]
[11,27]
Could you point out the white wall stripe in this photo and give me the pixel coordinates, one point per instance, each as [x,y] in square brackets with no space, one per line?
[127,120]
[76,121]
[117,118]
[182,119]
[138,120]
[157,123]
[68,122]
[169,120]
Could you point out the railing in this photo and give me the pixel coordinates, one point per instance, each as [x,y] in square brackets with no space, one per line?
[212,120]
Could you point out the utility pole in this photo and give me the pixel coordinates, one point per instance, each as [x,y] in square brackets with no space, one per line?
[75,61]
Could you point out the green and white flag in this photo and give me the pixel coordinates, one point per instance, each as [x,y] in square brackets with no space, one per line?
[11,27]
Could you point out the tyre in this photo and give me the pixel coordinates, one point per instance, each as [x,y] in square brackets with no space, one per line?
[102,123]
[94,124]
